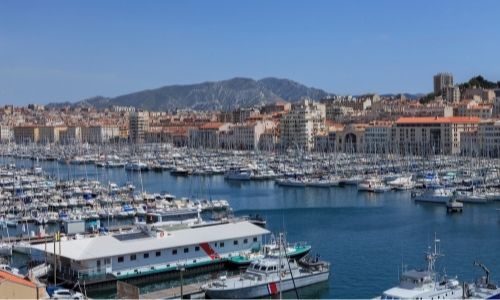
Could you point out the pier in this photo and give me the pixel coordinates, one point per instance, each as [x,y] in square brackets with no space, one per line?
[189,291]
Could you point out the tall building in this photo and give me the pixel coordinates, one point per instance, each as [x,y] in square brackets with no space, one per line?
[441,81]
[138,126]
[299,127]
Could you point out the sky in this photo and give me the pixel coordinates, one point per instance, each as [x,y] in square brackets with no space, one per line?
[54,51]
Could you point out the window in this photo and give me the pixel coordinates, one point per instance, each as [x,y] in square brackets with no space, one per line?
[146,255]
[235,242]
[174,252]
[158,253]
[186,250]
[196,249]
[255,239]
[222,244]
[245,241]
[133,257]
[120,259]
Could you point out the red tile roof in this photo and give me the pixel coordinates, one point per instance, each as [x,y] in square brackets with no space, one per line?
[5,275]
[436,120]
[211,125]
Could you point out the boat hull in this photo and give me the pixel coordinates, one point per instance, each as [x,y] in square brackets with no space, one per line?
[267,288]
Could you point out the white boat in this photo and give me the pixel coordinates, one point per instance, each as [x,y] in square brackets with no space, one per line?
[402,183]
[21,247]
[10,269]
[238,174]
[439,195]
[425,284]
[5,249]
[372,184]
[295,182]
[482,288]
[269,276]
[471,197]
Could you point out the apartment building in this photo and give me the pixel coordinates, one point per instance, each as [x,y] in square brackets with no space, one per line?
[100,134]
[26,134]
[378,138]
[299,127]
[431,135]
[245,136]
[50,134]
[207,135]
[138,126]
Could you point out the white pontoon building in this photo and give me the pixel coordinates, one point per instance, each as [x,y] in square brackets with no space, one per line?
[148,252]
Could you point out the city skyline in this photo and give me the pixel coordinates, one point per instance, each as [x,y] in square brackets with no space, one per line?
[71,51]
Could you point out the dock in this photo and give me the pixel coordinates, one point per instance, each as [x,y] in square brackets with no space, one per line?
[189,291]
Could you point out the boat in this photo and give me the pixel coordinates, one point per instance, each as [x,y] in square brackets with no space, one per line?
[372,184]
[180,171]
[174,216]
[10,269]
[401,183]
[454,206]
[471,197]
[425,284]
[294,182]
[270,276]
[242,174]
[5,249]
[22,247]
[482,288]
[438,195]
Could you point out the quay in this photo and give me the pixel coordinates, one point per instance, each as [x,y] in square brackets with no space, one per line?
[189,291]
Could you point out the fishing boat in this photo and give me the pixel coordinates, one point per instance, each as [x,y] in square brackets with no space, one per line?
[425,284]
[270,276]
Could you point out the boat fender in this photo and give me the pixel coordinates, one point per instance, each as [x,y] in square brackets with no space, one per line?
[283,274]
[162,234]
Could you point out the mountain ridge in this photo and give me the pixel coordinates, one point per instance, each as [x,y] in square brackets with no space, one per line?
[227,94]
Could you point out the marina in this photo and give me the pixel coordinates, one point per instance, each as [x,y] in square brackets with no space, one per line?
[118,197]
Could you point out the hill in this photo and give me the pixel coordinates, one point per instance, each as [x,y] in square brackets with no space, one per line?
[217,95]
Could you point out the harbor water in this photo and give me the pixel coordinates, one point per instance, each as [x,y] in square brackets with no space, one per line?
[368,238]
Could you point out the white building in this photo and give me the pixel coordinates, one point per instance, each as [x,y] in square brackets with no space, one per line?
[299,127]
[142,253]
[245,136]
[100,134]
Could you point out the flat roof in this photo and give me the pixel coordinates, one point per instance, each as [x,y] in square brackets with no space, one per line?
[109,246]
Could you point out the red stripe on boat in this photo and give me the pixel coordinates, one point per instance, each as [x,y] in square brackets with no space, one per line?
[272,288]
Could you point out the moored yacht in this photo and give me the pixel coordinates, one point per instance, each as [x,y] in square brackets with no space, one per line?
[439,195]
[238,174]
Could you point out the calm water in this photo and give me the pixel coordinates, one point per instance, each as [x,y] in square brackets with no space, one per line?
[366,237]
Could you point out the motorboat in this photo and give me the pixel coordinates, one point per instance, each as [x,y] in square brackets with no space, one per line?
[438,195]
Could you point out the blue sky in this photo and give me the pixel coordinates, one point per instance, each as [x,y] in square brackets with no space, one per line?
[70,50]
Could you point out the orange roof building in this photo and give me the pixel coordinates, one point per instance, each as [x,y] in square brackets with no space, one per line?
[13,286]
